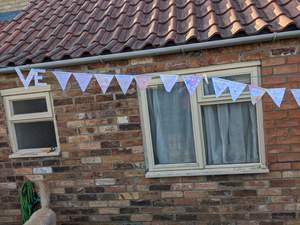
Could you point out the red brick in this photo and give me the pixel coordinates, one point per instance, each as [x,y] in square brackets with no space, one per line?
[266,71]
[295,165]
[288,157]
[293,59]
[270,81]
[273,61]
[123,193]
[280,166]
[285,69]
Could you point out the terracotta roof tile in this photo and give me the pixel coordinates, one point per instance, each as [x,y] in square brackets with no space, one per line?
[54,30]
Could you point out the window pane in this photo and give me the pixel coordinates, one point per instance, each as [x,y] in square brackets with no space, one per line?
[29,106]
[35,135]
[230,133]
[209,89]
[171,125]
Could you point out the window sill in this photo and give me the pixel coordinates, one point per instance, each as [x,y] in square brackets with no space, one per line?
[33,154]
[207,172]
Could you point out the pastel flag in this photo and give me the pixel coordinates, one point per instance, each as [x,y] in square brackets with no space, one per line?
[83,80]
[169,81]
[235,89]
[296,94]
[256,93]
[104,81]
[124,82]
[142,81]
[219,85]
[276,94]
[62,78]
[191,82]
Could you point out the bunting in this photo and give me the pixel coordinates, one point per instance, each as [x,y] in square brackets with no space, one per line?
[219,85]
[142,81]
[124,82]
[191,82]
[296,94]
[276,94]
[256,93]
[104,81]
[169,81]
[62,78]
[235,89]
[83,80]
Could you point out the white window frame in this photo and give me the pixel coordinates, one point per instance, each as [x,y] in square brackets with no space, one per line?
[29,93]
[196,100]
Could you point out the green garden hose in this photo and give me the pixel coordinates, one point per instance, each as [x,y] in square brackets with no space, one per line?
[28,200]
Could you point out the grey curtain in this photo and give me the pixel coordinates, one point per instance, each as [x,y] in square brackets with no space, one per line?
[171,125]
[230,132]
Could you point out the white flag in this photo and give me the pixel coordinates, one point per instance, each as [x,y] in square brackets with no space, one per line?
[124,82]
[169,81]
[235,89]
[142,81]
[219,85]
[83,80]
[191,82]
[296,94]
[104,81]
[276,94]
[62,78]
[256,93]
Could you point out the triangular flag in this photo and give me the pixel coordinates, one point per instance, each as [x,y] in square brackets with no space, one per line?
[142,81]
[256,93]
[296,94]
[62,78]
[168,81]
[104,81]
[83,80]
[219,85]
[124,82]
[191,82]
[235,89]
[276,94]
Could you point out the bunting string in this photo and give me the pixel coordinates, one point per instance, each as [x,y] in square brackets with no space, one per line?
[220,85]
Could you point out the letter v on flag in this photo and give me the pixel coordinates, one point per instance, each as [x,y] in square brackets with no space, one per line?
[25,81]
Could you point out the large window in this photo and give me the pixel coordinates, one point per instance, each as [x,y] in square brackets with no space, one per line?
[31,122]
[202,134]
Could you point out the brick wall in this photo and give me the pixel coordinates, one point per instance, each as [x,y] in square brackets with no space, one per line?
[99,179]
[12,5]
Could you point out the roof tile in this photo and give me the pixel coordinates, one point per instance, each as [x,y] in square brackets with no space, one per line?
[54,30]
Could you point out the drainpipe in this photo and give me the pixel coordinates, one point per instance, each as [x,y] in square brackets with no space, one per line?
[161,51]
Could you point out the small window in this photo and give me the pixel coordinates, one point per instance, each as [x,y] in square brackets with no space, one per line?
[29,106]
[202,134]
[31,122]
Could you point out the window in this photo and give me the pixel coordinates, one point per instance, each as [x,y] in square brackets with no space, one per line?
[202,134]
[31,122]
